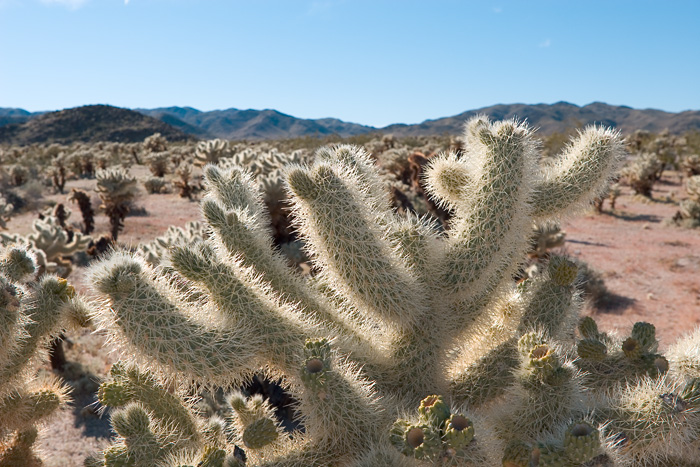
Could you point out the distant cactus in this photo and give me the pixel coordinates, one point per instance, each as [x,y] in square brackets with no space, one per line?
[688,214]
[158,163]
[18,174]
[51,242]
[641,173]
[155,143]
[186,190]
[690,165]
[6,210]
[212,151]
[85,206]
[155,185]
[117,190]
[157,251]
[58,173]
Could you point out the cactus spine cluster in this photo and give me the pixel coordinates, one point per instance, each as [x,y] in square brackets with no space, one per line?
[411,346]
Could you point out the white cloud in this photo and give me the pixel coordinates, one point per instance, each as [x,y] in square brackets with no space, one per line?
[545,43]
[70,4]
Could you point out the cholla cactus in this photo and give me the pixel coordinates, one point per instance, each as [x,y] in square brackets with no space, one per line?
[184,171]
[18,174]
[155,185]
[158,163]
[212,151]
[6,210]
[58,173]
[117,189]
[85,206]
[642,173]
[545,236]
[155,143]
[410,346]
[156,252]
[30,313]
[50,243]
[688,214]
[690,165]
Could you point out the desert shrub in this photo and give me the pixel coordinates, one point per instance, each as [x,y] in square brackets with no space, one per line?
[117,190]
[642,173]
[155,185]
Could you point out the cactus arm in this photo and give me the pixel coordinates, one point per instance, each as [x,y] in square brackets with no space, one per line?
[488,233]
[130,384]
[347,242]
[150,324]
[244,304]
[45,310]
[551,301]
[581,173]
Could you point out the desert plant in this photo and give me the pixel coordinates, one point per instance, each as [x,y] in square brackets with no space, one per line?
[409,347]
[158,163]
[6,210]
[155,143]
[31,313]
[18,174]
[186,190]
[57,172]
[51,243]
[642,173]
[83,200]
[117,190]
[155,185]
[688,214]
[212,151]
[690,165]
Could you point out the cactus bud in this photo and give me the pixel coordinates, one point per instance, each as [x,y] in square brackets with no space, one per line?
[591,349]
[517,454]
[632,349]
[581,442]
[130,422]
[420,441]
[434,410]
[645,334]
[317,364]
[528,342]
[459,432]
[260,433]
[562,271]
[113,394]
[588,328]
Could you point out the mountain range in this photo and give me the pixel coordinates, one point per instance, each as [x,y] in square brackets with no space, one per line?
[107,123]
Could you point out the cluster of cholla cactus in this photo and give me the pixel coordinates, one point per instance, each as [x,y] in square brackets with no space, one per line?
[155,143]
[642,173]
[50,243]
[410,346]
[117,190]
[690,164]
[31,312]
[688,214]
[156,251]
[212,151]
[6,210]
[155,185]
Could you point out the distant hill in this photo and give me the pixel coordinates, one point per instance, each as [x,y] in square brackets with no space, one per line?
[91,123]
[255,124]
[106,123]
[560,117]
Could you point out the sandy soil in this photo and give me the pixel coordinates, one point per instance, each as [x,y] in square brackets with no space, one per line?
[651,268]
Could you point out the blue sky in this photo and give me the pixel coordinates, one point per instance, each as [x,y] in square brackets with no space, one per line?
[374,62]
